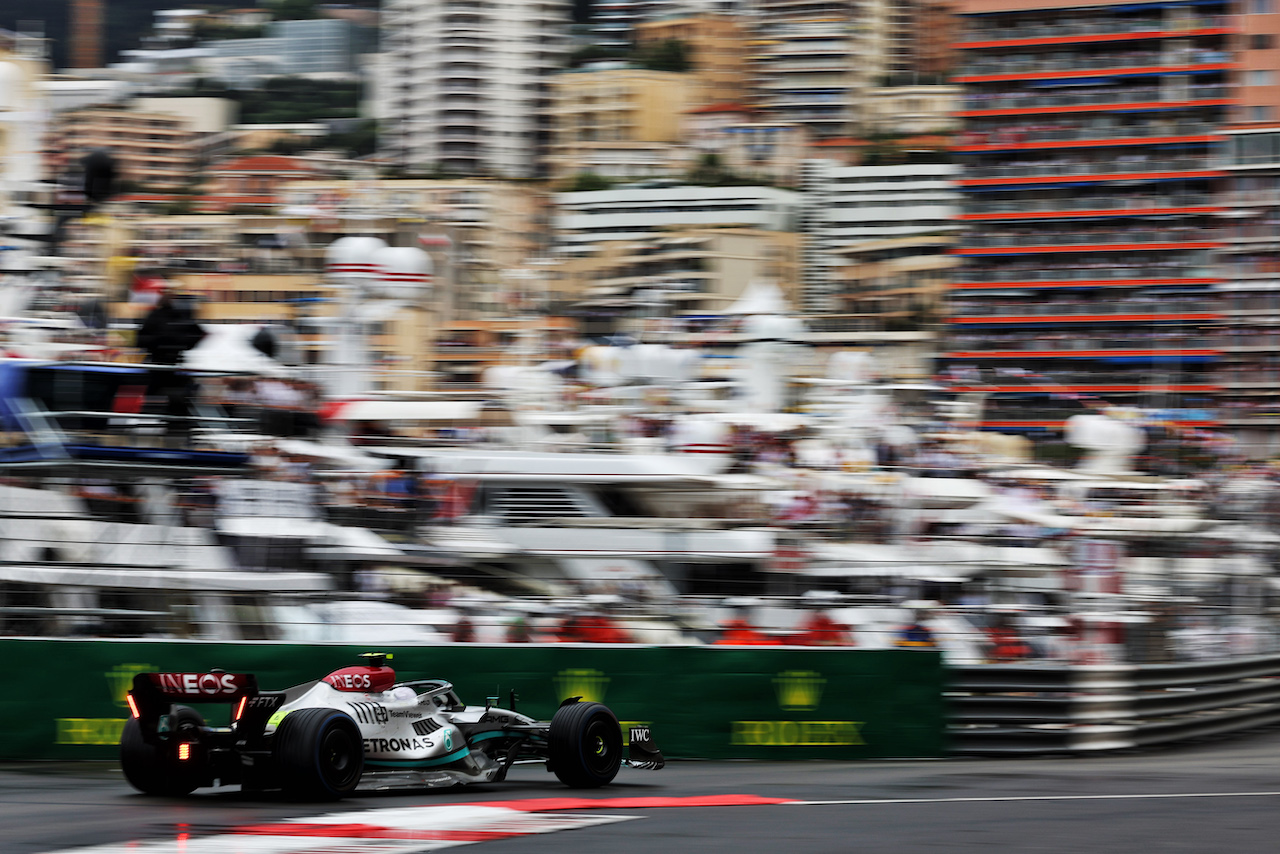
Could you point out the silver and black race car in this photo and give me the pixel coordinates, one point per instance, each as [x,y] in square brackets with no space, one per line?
[322,739]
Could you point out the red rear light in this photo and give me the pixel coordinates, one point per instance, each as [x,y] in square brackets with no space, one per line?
[133,705]
[240,708]
[184,751]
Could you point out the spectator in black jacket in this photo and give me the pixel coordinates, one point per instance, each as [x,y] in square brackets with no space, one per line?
[167,333]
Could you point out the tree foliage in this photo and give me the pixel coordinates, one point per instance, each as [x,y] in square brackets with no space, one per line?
[668,55]
[282,100]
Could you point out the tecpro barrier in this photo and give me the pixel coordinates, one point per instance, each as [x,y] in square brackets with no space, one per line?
[65,699]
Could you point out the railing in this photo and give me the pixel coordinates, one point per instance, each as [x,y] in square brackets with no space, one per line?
[1097,27]
[1088,203]
[1092,238]
[1015,134]
[1024,100]
[1116,165]
[1091,272]
[1068,343]
[1081,62]
[1010,709]
[1169,306]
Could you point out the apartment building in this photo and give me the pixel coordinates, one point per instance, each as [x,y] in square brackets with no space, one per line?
[155,150]
[681,272]
[846,206]
[1248,375]
[769,152]
[644,212]
[601,112]
[895,283]
[469,84]
[1092,188]
[717,61]
[814,61]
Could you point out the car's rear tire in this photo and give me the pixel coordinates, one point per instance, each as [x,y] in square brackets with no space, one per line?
[585,745]
[319,754]
[152,768]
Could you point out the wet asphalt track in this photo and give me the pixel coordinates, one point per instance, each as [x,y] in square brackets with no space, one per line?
[1214,797]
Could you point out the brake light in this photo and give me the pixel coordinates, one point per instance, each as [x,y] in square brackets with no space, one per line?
[184,751]
[240,707]
[133,706]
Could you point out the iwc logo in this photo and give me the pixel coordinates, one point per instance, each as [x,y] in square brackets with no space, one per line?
[590,685]
[799,690]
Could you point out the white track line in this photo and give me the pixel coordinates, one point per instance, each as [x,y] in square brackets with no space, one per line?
[994,799]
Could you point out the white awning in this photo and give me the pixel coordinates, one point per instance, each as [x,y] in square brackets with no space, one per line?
[164,579]
[406,410]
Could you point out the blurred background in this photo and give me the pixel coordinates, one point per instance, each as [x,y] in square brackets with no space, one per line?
[873,324]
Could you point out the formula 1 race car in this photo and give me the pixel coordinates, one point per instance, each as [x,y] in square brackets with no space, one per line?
[322,739]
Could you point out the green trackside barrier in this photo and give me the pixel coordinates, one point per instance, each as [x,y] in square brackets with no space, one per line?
[64,699]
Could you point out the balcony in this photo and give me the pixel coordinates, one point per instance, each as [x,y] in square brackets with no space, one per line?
[1094,29]
[1085,65]
[1084,100]
[1144,272]
[1099,238]
[1062,135]
[1075,169]
[1038,207]
[1075,345]
[978,312]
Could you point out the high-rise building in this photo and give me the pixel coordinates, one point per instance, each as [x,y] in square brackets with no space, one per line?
[813,61]
[88,31]
[1249,378]
[1091,180]
[850,205]
[469,84]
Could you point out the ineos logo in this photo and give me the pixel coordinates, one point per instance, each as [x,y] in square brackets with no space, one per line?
[211,684]
[349,680]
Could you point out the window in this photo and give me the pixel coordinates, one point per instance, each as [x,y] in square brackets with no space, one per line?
[1261,41]
[1259,77]
[1260,7]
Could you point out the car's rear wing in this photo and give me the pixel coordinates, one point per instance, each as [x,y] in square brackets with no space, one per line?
[153,695]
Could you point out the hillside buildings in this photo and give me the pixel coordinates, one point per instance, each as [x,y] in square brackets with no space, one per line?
[470,84]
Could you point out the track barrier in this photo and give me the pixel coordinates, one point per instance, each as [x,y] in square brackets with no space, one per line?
[1011,709]
[66,698]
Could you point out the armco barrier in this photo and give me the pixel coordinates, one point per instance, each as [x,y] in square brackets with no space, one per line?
[1015,709]
[64,699]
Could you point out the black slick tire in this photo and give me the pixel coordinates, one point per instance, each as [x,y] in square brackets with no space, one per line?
[150,768]
[585,745]
[318,753]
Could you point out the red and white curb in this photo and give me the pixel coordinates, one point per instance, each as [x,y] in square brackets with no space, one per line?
[404,830]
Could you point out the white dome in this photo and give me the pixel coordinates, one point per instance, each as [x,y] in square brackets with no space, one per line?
[403,272]
[353,256]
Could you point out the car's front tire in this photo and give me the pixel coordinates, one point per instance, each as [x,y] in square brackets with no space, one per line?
[585,745]
[152,768]
[319,754]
